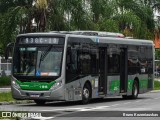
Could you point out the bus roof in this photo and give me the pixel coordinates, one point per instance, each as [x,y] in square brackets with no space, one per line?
[116,40]
[41,34]
[96,39]
[92,33]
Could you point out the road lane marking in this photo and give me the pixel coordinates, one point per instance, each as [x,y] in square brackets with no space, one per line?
[65,109]
[97,107]
[94,108]
[156,98]
[79,109]
[90,108]
[42,118]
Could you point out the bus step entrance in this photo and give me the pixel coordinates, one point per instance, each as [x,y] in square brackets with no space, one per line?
[123,93]
[101,93]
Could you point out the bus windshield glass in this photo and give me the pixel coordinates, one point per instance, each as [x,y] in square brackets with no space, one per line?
[37,61]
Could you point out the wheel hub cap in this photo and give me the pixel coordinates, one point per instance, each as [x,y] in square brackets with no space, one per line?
[86,93]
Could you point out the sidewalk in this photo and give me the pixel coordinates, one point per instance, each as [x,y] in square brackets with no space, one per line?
[157,79]
[5,89]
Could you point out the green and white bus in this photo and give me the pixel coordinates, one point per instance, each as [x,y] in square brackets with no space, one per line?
[69,67]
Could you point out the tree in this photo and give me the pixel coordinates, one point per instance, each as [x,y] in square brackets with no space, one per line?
[131,17]
[41,14]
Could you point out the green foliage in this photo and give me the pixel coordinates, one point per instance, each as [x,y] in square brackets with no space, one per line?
[157,54]
[5,81]
[106,15]
[109,25]
[156,85]
[6,97]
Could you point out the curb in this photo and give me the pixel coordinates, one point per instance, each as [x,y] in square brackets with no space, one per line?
[16,102]
[3,90]
[154,91]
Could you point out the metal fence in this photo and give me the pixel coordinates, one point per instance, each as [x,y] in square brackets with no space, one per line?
[5,66]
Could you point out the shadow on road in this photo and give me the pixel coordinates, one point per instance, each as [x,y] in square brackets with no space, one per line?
[93,101]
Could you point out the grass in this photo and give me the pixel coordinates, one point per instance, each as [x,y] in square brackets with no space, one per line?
[6,97]
[5,81]
[156,85]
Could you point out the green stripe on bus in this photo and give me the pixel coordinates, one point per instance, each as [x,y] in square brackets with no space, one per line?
[130,85]
[35,85]
[115,85]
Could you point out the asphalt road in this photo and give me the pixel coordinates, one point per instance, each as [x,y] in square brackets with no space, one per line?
[98,109]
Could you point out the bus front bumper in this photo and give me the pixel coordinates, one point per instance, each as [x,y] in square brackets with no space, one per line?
[49,95]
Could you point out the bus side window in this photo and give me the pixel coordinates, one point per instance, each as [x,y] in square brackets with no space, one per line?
[85,63]
[113,63]
[149,60]
[71,64]
[133,60]
[68,62]
[143,59]
[72,60]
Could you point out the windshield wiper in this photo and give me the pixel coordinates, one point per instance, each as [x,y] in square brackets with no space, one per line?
[44,54]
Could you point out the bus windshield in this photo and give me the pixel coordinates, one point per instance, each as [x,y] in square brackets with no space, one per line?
[37,61]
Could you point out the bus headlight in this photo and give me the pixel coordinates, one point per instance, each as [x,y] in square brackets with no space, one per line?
[15,84]
[56,85]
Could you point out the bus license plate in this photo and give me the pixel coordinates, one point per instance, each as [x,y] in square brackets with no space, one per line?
[34,95]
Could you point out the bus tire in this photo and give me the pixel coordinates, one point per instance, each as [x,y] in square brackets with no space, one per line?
[135,90]
[40,102]
[86,94]
[124,96]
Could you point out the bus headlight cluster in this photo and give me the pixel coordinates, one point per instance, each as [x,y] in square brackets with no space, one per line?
[56,85]
[15,84]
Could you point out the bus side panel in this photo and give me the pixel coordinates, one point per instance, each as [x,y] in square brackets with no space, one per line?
[113,87]
[130,83]
[143,83]
[73,91]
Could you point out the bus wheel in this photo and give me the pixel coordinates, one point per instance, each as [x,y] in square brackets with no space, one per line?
[124,96]
[86,94]
[40,102]
[135,90]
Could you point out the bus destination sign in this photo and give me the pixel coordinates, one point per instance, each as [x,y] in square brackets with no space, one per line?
[41,40]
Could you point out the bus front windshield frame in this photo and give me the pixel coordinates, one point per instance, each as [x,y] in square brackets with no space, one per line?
[37,61]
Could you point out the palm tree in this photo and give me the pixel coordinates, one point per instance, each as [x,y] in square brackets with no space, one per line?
[135,17]
[131,17]
[15,18]
[41,14]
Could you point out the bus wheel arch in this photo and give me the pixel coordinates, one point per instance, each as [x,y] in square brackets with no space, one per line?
[137,80]
[135,88]
[86,92]
[135,92]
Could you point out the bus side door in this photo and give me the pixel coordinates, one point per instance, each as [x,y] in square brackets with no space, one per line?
[123,70]
[102,89]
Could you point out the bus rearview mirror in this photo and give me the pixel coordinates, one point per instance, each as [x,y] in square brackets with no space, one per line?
[9,46]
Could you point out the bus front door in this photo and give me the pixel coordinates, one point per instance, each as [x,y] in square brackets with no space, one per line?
[102,89]
[123,70]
